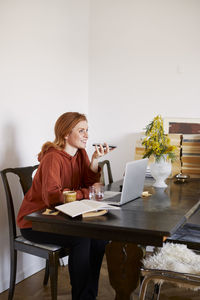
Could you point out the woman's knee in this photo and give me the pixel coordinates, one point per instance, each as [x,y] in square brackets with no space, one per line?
[99,244]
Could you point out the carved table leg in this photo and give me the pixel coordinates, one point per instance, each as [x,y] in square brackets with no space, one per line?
[124,262]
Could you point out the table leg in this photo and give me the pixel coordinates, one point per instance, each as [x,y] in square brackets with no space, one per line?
[124,262]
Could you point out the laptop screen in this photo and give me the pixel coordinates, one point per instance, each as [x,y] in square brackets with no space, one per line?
[134,180]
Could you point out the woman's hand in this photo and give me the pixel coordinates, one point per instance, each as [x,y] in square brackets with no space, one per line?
[100,151]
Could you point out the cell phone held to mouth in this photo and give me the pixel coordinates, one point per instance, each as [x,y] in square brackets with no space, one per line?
[110,146]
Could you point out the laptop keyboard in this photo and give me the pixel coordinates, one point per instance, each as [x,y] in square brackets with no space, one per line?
[110,196]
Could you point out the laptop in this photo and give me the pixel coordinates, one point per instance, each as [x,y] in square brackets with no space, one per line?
[133,184]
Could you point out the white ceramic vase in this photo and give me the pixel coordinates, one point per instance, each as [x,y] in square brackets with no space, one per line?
[160,170]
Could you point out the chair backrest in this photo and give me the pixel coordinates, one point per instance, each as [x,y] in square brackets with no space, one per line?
[25,179]
[109,172]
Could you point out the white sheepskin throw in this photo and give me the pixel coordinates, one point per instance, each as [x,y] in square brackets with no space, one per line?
[174,257]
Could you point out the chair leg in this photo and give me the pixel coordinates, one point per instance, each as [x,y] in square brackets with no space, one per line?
[53,270]
[144,285]
[156,293]
[46,274]
[143,288]
[13,266]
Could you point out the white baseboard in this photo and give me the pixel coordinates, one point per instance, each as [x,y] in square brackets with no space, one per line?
[150,248]
[65,260]
[34,267]
[22,274]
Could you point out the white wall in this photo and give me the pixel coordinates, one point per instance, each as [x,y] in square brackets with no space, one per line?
[43,73]
[145,60]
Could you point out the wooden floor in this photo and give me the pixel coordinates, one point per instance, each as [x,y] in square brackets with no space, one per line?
[32,288]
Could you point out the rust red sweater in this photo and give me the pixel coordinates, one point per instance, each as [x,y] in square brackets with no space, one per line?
[57,171]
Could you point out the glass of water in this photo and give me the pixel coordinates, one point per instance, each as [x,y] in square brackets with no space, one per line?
[92,192]
[99,192]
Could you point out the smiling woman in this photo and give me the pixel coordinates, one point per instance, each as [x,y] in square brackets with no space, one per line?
[77,139]
[64,127]
[64,165]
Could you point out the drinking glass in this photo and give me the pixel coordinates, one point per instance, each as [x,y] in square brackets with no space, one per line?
[99,192]
[92,192]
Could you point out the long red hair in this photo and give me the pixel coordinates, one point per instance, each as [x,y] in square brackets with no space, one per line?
[63,126]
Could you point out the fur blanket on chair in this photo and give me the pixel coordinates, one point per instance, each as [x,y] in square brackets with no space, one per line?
[174,257]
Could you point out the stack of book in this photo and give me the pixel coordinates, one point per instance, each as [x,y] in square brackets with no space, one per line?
[175,140]
[191,155]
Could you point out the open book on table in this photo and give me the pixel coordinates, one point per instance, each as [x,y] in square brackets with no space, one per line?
[77,208]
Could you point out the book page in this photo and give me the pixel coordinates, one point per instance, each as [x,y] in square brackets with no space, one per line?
[77,208]
[74,208]
[97,205]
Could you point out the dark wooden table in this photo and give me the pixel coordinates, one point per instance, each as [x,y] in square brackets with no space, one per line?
[144,221]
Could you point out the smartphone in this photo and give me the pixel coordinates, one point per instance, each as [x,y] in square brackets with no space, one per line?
[110,146]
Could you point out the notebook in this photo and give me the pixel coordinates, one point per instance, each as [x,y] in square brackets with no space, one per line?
[133,184]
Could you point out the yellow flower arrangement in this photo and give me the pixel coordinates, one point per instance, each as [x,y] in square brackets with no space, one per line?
[156,142]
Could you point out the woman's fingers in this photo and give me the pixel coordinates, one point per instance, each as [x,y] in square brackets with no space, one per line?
[106,148]
[101,150]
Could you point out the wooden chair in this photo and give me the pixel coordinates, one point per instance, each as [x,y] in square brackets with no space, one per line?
[102,164]
[188,235]
[51,253]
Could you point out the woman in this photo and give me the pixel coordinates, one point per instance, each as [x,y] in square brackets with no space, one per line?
[64,165]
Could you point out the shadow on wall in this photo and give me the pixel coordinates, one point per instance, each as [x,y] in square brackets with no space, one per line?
[9,158]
